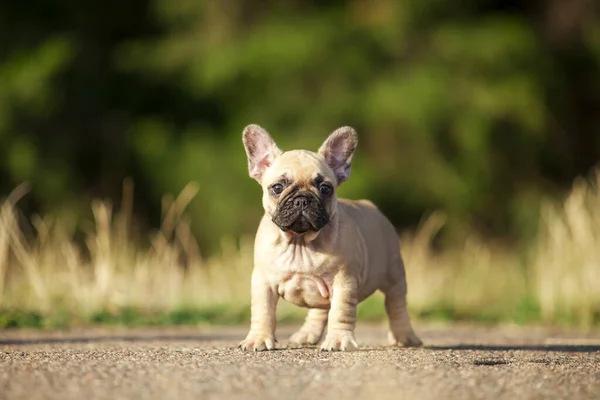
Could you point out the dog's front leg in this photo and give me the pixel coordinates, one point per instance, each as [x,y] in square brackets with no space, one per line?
[342,316]
[263,315]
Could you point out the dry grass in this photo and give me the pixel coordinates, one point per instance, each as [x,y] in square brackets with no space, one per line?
[565,265]
[557,280]
[475,280]
[109,271]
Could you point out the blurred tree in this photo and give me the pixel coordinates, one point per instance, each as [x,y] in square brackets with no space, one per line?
[475,107]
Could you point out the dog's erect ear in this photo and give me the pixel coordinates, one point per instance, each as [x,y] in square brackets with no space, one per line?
[338,150]
[260,149]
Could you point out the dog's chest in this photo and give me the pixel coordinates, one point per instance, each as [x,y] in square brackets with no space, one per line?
[306,290]
[304,278]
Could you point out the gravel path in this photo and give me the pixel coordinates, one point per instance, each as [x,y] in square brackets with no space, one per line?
[459,362]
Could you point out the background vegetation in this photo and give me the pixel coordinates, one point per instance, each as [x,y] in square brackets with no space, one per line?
[481,110]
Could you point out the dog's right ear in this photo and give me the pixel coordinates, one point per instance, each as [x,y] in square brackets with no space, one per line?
[338,151]
[260,149]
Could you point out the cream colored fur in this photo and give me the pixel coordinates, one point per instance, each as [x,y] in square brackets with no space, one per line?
[329,271]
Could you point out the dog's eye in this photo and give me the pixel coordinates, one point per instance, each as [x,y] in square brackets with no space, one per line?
[277,188]
[326,189]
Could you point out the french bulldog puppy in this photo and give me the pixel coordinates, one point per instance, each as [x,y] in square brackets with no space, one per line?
[319,251]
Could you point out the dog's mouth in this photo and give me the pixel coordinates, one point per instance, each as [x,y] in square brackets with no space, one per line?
[301,213]
[300,225]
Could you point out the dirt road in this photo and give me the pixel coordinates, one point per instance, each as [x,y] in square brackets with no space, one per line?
[457,362]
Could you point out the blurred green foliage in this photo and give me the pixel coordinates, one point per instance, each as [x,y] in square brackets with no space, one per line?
[473,107]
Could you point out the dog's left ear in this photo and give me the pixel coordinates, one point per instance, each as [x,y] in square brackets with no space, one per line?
[338,150]
[260,149]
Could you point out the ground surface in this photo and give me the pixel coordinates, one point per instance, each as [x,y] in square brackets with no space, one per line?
[457,362]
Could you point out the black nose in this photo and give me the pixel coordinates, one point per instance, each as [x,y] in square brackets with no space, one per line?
[301,201]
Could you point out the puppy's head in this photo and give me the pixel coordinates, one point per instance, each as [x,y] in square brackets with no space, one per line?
[300,186]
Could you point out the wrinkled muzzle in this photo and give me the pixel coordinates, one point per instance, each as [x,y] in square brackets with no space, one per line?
[301,212]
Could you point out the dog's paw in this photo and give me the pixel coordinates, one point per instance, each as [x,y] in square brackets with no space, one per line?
[339,341]
[258,342]
[409,339]
[305,337]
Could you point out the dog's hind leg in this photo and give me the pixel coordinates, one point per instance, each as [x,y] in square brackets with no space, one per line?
[312,330]
[401,331]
